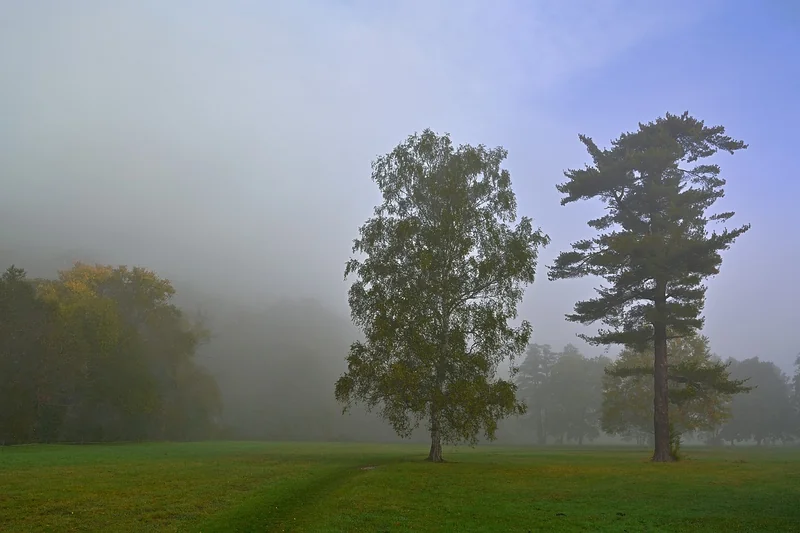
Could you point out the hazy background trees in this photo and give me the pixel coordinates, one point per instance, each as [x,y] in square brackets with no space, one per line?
[563,392]
[765,414]
[796,395]
[276,368]
[100,354]
[268,373]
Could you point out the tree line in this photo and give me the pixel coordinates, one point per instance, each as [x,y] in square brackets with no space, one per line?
[100,354]
[575,399]
[267,375]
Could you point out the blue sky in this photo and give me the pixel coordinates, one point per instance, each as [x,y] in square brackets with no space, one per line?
[228,143]
[739,66]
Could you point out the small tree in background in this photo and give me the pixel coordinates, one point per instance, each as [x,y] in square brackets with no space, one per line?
[577,394]
[700,392]
[653,248]
[442,273]
[533,381]
[796,396]
[764,415]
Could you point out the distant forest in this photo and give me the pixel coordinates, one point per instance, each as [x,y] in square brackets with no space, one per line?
[93,353]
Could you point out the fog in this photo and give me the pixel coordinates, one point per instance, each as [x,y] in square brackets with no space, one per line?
[227,145]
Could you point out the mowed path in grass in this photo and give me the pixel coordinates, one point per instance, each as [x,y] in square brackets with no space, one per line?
[317,488]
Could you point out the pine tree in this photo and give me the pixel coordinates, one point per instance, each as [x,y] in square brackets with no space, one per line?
[653,247]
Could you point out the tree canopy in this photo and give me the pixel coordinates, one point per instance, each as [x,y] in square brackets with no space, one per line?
[796,395]
[700,390]
[577,391]
[533,381]
[766,413]
[562,392]
[99,354]
[653,247]
[441,270]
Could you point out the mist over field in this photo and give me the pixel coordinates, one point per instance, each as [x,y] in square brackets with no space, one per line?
[227,147]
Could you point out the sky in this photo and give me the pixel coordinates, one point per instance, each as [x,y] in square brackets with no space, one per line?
[229,143]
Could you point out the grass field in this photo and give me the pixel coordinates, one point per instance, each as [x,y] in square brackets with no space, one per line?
[318,488]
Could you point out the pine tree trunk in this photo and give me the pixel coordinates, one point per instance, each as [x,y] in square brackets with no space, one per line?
[661,452]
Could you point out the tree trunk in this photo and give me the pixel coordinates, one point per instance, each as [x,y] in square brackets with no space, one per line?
[541,436]
[435,454]
[661,453]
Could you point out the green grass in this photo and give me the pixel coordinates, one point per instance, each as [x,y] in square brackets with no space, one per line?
[320,488]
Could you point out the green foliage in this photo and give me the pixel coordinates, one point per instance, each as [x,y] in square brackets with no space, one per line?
[534,387]
[563,393]
[700,392]
[796,396]
[25,362]
[765,414]
[440,275]
[653,246]
[577,395]
[105,357]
